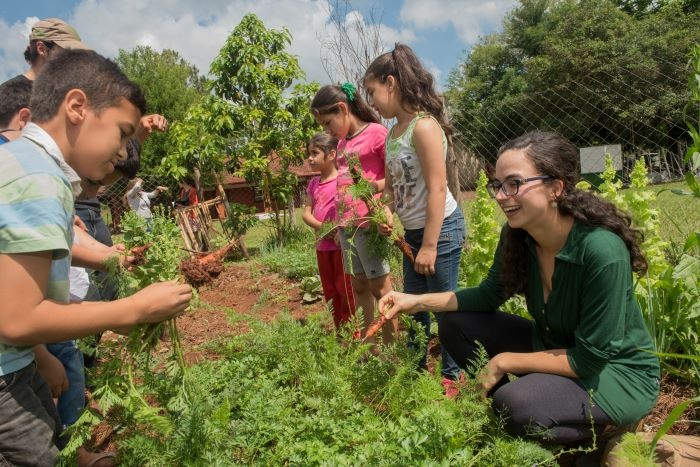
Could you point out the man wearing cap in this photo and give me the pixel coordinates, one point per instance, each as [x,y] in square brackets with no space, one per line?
[47,37]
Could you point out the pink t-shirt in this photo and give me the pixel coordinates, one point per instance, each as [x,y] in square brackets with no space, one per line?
[322,195]
[369,147]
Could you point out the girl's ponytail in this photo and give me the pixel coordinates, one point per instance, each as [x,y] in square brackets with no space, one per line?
[415,83]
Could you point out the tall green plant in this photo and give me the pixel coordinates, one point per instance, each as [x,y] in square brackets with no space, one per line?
[482,238]
[669,294]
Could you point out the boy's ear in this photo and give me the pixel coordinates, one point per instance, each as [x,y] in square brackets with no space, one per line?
[24,115]
[76,105]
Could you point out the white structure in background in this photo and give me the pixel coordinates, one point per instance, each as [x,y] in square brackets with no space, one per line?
[593,158]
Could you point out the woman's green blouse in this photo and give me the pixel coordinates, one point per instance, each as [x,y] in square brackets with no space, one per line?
[591,312]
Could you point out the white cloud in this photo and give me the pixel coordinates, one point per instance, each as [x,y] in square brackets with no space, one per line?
[12,47]
[470,18]
[194,28]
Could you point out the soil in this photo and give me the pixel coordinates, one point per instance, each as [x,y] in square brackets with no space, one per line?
[241,291]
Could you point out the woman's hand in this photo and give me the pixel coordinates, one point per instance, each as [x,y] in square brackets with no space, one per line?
[394,303]
[491,374]
[425,261]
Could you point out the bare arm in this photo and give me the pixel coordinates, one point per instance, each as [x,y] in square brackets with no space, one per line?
[89,253]
[52,370]
[308,216]
[394,303]
[427,138]
[147,124]
[388,194]
[379,185]
[552,361]
[28,318]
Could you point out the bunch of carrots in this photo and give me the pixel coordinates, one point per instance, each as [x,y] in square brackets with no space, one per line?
[362,189]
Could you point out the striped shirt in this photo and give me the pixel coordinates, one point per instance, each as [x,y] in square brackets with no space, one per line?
[36,214]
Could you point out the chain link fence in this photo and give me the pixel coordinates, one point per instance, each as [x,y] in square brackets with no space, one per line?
[595,114]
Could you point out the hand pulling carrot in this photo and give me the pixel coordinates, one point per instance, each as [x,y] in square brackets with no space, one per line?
[373,328]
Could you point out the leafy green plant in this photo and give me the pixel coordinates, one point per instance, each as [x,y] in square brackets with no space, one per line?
[241,218]
[482,238]
[669,294]
[311,289]
[292,394]
[123,383]
[294,262]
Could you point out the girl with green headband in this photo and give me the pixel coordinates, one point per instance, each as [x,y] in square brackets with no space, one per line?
[342,113]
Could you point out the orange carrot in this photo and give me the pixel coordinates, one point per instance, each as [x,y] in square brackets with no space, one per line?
[140,250]
[217,255]
[376,326]
[405,248]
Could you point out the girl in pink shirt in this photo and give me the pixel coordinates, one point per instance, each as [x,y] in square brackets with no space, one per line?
[319,207]
[342,113]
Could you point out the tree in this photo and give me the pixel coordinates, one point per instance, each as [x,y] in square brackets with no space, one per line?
[171,85]
[587,69]
[255,122]
[351,42]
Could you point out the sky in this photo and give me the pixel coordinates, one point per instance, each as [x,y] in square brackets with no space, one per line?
[440,31]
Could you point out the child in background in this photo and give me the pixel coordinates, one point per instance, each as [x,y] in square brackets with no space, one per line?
[188,193]
[14,108]
[416,180]
[140,200]
[342,113]
[319,207]
[83,111]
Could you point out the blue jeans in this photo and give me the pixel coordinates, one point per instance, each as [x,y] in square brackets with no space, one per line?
[449,252]
[97,228]
[71,402]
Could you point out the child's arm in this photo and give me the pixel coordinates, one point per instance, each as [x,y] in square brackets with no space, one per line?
[147,124]
[379,185]
[134,190]
[52,370]
[388,195]
[308,215]
[89,253]
[27,318]
[427,139]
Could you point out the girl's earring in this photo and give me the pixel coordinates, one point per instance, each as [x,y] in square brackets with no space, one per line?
[553,203]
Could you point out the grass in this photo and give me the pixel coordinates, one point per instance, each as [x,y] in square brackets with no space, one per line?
[679,215]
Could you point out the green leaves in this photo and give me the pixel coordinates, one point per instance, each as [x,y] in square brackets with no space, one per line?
[292,394]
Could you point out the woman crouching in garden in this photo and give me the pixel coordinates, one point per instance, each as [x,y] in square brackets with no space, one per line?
[584,360]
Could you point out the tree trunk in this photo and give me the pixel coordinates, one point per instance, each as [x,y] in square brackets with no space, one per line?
[291,211]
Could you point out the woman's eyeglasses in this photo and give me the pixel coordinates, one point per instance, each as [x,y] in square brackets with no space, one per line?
[511,186]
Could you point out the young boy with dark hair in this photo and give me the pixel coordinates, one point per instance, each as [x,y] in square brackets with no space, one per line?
[14,108]
[84,110]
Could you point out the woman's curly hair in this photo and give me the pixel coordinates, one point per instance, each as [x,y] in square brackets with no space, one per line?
[554,155]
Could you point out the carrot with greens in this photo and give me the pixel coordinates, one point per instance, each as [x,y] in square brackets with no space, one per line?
[373,328]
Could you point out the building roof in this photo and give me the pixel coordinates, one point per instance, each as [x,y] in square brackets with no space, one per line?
[302,171]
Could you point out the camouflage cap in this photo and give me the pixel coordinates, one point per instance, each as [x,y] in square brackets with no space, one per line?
[57,31]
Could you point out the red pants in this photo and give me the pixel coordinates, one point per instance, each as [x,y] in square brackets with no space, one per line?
[336,285]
